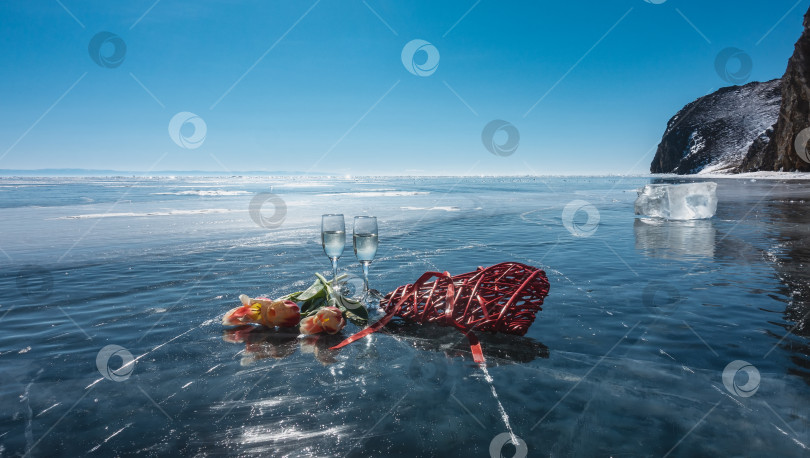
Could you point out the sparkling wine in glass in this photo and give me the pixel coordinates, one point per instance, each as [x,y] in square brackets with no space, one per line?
[333,238]
[365,245]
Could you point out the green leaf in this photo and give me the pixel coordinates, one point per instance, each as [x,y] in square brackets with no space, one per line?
[311,292]
[353,309]
[355,306]
[313,304]
[321,294]
[291,297]
[354,318]
[351,303]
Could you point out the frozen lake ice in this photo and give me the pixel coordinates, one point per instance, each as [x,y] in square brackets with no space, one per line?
[643,319]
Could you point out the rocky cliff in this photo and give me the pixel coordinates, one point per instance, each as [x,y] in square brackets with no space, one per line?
[714,133]
[777,149]
[744,128]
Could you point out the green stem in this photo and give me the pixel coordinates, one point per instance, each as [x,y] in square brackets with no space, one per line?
[321,278]
[329,282]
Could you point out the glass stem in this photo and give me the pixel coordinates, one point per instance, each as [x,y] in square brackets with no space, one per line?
[334,271]
[365,276]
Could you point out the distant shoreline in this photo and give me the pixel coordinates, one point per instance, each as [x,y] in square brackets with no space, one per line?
[5,174]
[762,174]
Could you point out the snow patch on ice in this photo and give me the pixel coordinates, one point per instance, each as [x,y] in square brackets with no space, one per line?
[447,209]
[376,194]
[218,192]
[205,211]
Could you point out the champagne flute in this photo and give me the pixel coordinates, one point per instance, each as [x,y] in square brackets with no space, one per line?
[365,246]
[333,238]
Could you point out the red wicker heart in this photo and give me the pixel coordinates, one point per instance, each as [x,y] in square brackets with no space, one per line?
[500,298]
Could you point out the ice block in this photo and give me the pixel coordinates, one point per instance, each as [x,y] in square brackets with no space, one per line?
[677,201]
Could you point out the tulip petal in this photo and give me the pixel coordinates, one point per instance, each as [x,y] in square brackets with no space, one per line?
[236,315]
[310,325]
[331,319]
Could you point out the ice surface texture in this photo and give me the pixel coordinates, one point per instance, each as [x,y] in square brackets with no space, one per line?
[677,201]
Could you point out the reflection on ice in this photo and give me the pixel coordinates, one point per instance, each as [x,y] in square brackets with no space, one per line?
[261,343]
[498,348]
[660,238]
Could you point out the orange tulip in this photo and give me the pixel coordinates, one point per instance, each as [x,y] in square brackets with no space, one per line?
[327,319]
[263,311]
[284,314]
[331,319]
[311,325]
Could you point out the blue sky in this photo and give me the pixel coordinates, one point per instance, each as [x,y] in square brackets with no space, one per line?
[320,86]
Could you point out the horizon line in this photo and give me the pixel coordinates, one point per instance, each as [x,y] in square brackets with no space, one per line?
[104,173]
